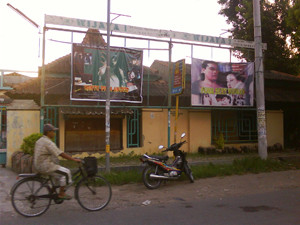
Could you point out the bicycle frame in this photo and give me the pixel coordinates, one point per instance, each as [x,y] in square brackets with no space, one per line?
[76,177]
[47,189]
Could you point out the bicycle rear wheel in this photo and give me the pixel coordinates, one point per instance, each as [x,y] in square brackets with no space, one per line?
[29,197]
[93,193]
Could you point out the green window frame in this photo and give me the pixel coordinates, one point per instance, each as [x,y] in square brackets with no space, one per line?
[51,116]
[134,129]
[236,126]
[3,126]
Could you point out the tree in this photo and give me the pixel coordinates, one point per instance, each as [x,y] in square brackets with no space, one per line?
[293,21]
[276,31]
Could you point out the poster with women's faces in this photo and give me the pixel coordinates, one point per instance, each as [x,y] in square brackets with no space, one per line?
[222,84]
[89,66]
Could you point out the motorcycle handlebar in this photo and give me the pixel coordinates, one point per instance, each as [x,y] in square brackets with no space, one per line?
[173,146]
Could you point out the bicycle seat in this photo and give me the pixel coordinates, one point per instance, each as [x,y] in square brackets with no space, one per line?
[28,174]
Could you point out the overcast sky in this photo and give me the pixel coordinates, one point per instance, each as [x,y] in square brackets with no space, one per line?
[19,40]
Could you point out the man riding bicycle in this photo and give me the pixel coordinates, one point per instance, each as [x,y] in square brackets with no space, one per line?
[46,160]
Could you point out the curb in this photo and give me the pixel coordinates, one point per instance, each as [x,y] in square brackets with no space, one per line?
[141,167]
[194,163]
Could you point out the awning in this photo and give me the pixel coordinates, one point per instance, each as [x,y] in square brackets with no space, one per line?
[93,111]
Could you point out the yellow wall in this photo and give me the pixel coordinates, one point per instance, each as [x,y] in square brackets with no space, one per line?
[182,127]
[20,124]
[200,129]
[61,132]
[275,132]
[195,123]
[155,130]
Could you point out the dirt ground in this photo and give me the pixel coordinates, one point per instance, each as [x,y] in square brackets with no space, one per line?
[138,195]
[219,187]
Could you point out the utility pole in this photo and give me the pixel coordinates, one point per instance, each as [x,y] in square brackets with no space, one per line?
[107,106]
[169,91]
[260,91]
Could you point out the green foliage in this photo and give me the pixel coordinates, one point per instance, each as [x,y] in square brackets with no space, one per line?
[219,141]
[279,21]
[29,142]
[293,21]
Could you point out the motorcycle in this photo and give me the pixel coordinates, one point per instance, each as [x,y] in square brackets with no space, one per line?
[157,169]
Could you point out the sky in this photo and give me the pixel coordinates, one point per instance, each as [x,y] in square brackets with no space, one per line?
[21,43]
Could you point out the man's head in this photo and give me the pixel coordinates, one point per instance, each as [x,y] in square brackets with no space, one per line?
[223,99]
[210,71]
[49,130]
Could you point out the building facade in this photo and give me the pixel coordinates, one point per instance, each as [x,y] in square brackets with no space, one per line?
[140,128]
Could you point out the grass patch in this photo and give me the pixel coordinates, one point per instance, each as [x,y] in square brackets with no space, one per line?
[246,165]
[123,177]
[243,166]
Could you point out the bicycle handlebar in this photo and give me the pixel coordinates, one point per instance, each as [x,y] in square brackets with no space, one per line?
[81,161]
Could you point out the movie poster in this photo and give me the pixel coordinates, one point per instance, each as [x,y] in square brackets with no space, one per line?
[89,74]
[222,84]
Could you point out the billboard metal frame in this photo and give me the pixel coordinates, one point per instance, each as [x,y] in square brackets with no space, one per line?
[165,36]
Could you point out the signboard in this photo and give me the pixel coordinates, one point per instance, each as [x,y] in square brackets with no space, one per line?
[89,74]
[178,77]
[66,21]
[221,84]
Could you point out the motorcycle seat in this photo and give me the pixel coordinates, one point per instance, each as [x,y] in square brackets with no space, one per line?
[160,157]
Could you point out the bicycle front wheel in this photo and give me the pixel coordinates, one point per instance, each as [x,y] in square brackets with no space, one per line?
[30,197]
[93,193]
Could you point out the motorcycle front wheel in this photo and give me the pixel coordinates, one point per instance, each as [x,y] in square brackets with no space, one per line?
[188,172]
[151,183]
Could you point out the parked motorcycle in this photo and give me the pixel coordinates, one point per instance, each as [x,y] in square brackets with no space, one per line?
[157,169]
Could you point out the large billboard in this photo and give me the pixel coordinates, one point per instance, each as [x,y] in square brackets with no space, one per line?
[221,84]
[89,74]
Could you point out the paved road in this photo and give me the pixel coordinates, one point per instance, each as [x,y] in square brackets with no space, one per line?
[276,207]
[266,198]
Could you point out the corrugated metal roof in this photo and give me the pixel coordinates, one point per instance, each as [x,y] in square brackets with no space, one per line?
[276,75]
[23,104]
[157,89]
[93,111]
[4,100]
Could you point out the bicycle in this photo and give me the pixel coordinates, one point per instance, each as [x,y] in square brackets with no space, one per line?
[32,195]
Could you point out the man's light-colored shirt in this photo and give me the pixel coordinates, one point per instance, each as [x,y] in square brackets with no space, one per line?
[46,155]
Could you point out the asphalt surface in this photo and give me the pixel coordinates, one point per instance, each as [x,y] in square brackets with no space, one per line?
[132,198]
[263,199]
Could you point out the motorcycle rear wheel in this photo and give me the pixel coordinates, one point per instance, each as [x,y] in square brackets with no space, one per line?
[151,183]
[189,172]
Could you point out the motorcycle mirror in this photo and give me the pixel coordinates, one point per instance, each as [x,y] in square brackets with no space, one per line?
[160,147]
[182,135]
